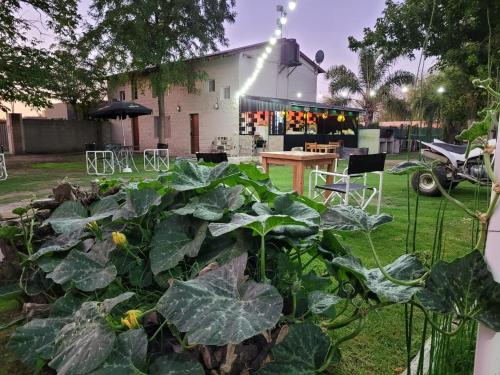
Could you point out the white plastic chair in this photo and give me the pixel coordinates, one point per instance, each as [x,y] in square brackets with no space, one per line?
[100,163]
[3,165]
[352,183]
[156,160]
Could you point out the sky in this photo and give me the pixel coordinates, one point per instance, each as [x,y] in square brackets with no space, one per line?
[316,24]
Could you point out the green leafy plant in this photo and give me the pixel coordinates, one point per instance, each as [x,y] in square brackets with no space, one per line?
[212,268]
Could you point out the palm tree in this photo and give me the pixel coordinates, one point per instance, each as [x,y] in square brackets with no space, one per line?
[372,88]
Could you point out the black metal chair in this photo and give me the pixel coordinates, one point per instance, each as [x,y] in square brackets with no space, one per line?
[212,157]
[347,185]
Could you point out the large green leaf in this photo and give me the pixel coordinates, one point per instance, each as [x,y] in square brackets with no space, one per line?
[173,239]
[221,307]
[406,267]
[409,167]
[302,352]
[65,306]
[479,128]
[85,270]
[71,216]
[284,205]
[128,356]
[82,345]
[321,303]
[226,247]
[187,175]
[214,204]
[176,364]
[350,218]
[262,224]
[464,287]
[35,340]
[61,243]
[139,202]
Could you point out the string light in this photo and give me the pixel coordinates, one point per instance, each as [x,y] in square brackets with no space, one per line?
[292,5]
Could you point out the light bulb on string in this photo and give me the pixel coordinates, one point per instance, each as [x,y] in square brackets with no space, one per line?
[292,5]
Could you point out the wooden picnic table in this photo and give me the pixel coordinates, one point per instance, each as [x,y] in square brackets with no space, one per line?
[300,160]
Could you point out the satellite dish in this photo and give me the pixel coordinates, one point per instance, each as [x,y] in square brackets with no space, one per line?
[320,57]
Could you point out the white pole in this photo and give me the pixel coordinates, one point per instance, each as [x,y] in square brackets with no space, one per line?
[123,130]
[487,360]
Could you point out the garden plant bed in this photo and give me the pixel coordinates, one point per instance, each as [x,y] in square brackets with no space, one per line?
[380,346]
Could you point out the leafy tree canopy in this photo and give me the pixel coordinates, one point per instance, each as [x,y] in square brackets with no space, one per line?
[25,67]
[459,34]
[373,86]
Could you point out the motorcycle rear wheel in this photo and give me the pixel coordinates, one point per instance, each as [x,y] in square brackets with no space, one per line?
[424,183]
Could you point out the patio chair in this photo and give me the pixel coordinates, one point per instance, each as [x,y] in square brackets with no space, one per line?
[157,159]
[3,165]
[352,184]
[310,146]
[212,157]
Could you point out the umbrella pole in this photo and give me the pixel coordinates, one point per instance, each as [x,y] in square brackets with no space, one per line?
[127,168]
[123,130]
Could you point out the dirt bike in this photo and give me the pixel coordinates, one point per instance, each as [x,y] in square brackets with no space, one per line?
[453,166]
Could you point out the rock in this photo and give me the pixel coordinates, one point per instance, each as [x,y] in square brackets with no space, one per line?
[64,192]
[45,204]
[9,266]
[43,214]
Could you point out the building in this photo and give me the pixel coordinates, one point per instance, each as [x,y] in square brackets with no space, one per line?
[278,110]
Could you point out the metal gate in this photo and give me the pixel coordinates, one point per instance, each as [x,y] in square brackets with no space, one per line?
[4,140]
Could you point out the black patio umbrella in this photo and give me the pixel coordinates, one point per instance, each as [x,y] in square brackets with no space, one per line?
[121,110]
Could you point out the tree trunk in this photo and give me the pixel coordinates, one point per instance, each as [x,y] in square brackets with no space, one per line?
[161,113]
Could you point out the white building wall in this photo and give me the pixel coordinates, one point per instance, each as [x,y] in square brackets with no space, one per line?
[276,82]
[232,71]
[213,123]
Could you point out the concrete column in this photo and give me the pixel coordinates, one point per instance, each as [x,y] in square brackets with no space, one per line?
[15,133]
[487,360]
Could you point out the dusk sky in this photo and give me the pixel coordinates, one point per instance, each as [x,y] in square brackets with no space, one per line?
[316,24]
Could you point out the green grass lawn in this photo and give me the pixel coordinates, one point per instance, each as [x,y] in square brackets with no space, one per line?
[380,349]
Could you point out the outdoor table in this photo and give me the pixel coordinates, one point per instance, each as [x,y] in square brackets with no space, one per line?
[299,160]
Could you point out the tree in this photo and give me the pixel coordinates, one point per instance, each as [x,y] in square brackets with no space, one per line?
[463,33]
[25,67]
[160,37]
[78,79]
[373,86]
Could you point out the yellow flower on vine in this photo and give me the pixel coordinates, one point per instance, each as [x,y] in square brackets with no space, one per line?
[93,226]
[119,238]
[131,319]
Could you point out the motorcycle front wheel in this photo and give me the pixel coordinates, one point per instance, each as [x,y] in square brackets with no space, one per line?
[424,183]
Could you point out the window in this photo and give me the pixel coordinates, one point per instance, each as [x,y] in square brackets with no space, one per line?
[122,96]
[135,93]
[227,92]
[166,132]
[211,85]
[278,123]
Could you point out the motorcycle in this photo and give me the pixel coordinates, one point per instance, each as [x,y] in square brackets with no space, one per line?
[453,166]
